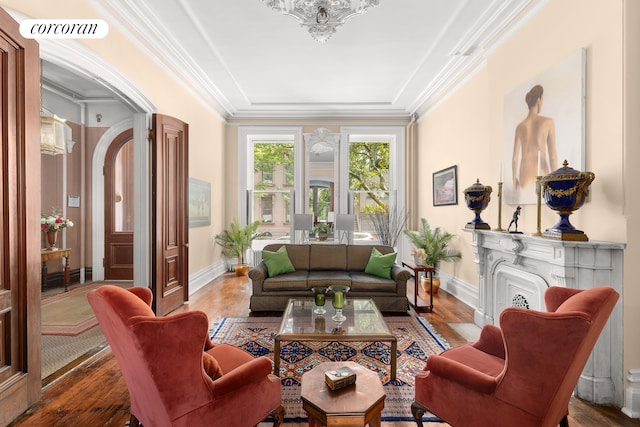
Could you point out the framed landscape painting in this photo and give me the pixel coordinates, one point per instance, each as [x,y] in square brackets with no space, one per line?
[445,186]
[199,203]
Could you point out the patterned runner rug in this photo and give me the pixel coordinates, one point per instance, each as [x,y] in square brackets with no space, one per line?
[416,340]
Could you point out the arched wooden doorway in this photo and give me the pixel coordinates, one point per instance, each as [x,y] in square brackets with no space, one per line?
[119,208]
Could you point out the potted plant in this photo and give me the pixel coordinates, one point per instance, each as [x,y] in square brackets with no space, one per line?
[236,240]
[321,230]
[434,245]
[388,226]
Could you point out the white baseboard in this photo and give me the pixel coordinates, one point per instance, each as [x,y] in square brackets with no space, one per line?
[201,278]
[465,292]
[632,397]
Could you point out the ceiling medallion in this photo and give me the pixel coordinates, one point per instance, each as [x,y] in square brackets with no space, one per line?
[321,17]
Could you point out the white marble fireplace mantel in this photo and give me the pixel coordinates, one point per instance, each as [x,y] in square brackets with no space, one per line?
[515,269]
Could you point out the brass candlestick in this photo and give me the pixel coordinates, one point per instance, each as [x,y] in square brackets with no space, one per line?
[499,227]
[539,199]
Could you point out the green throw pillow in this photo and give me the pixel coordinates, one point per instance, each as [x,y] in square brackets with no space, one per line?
[380,265]
[277,262]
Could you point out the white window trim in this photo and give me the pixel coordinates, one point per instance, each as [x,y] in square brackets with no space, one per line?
[395,136]
[247,136]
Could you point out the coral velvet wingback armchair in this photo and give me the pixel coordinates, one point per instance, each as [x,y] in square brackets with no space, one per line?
[521,374]
[175,375]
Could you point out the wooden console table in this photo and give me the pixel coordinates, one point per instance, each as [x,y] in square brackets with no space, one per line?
[48,254]
[416,270]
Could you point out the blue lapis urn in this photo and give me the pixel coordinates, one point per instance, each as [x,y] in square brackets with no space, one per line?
[565,191]
[477,198]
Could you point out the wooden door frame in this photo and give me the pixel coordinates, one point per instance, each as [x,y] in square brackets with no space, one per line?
[112,152]
[170,218]
[141,123]
[21,243]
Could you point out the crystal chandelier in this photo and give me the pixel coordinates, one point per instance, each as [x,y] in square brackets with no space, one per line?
[321,17]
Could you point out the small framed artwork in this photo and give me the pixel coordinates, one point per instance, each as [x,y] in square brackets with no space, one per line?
[199,203]
[445,186]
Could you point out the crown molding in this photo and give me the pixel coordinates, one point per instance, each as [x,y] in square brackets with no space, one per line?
[139,24]
[470,54]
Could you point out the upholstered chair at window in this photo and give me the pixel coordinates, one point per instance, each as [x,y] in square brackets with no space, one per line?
[521,374]
[345,224]
[302,223]
[175,375]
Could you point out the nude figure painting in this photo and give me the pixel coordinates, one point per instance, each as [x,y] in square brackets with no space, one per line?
[544,125]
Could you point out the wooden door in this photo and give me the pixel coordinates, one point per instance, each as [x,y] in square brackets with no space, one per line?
[118,203]
[20,344]
[170,232]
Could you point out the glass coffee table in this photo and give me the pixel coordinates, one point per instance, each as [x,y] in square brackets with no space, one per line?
[364,322]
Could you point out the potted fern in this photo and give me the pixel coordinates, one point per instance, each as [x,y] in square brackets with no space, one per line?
[433,244]
[236,240]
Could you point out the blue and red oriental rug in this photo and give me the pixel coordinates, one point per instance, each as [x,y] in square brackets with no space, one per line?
[417,339]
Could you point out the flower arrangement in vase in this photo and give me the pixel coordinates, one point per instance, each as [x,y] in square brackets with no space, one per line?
[419,256]
[51,224]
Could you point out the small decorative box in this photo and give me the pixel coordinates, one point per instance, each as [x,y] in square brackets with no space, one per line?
[340,378]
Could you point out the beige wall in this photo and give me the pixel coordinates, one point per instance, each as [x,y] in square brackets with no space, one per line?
[469,124]
[631,202]
[460,125]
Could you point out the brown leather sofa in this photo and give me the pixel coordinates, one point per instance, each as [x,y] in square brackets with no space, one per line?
[324,265]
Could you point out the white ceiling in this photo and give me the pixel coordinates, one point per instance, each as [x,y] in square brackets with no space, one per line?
[245,60]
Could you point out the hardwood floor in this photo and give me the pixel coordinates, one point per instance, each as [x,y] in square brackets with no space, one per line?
[93,393]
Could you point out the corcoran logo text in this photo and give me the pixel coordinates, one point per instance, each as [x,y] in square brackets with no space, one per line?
[64,28]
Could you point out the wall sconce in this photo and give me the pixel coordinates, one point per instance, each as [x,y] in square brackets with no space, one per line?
[99,117]
[52,138]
